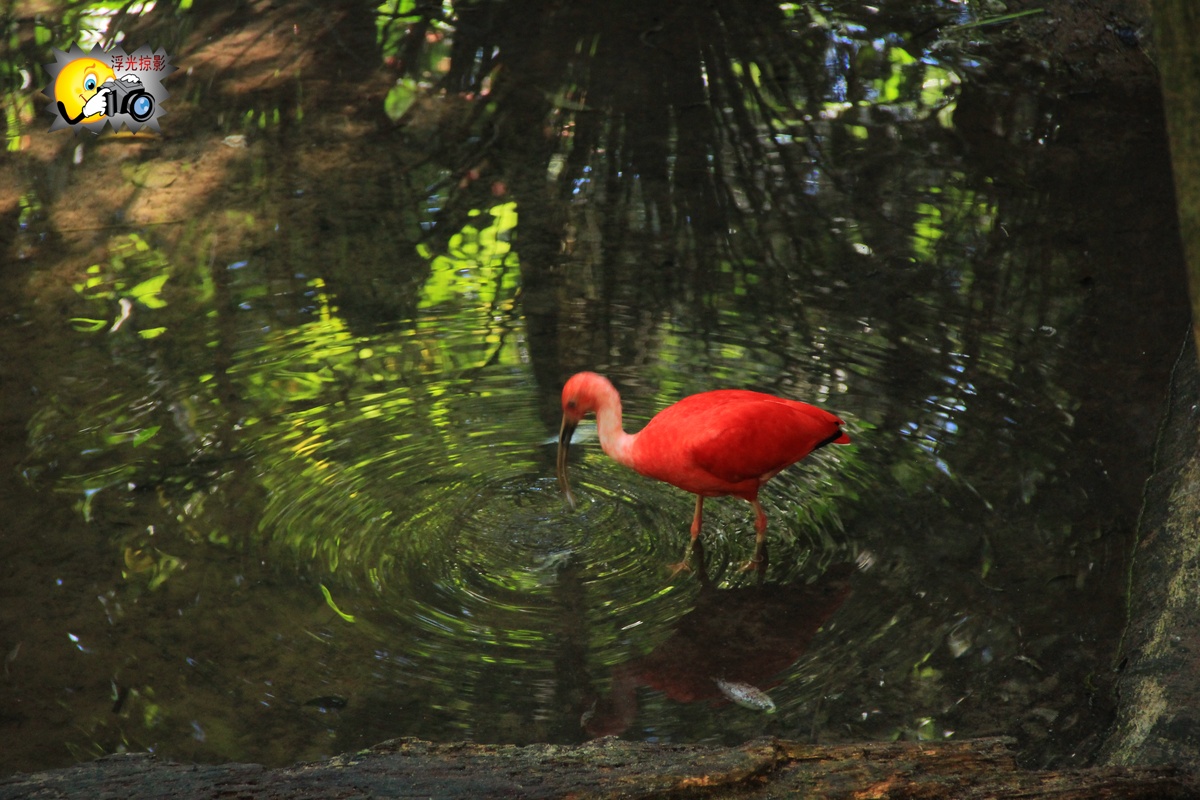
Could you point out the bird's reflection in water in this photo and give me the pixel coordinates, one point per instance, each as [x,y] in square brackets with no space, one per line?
[733,645]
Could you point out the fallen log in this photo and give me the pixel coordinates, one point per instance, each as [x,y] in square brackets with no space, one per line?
[610,768]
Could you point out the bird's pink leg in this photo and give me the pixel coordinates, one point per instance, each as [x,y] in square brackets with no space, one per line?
[760,523]
[696,520]
[696,523]
[759,561]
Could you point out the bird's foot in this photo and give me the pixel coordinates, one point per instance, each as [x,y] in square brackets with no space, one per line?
[759,562]
[694,552]
[675,569]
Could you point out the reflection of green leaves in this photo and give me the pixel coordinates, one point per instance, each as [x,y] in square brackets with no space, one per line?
[400,98]
[390,23]
[398,8]
[307,361]
[94,285]
[144,435]
[474,269]
[123,279]
[87,325]
[890,88]
[136,437]
[333,605]
[152,563]
[911,476]
[927,229]
[19,107]
[148,290]
[826,498]
[927,730]
[31,210]
[395,20]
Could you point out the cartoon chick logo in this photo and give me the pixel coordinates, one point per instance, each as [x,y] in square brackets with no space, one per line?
[89,90]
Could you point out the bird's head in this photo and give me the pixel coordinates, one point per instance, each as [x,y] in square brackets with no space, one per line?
[583,394]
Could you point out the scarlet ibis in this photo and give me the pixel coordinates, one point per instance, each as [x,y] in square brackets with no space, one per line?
[712,444]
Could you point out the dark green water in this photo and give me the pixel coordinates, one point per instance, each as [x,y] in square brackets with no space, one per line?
[280,387]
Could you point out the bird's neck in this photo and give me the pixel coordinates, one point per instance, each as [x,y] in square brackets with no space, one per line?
[614,441]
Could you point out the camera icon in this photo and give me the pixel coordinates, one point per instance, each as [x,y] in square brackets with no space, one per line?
[128,96]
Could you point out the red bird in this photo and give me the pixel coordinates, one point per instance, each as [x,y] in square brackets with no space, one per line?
[726,442]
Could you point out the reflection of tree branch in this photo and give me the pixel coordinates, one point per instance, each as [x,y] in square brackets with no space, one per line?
[117,24]
[651,146]
[660,126]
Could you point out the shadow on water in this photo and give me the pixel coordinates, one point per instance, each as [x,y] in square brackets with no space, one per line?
[280,386]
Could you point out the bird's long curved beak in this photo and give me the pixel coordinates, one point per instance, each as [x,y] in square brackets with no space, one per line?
[564,446]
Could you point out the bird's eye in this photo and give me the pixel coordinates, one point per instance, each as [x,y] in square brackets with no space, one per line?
[571,404]
[89,82]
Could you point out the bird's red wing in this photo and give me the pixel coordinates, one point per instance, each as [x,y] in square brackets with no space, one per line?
[727,441]
[753,441]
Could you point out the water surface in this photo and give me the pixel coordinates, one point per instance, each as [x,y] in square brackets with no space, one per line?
[281,386]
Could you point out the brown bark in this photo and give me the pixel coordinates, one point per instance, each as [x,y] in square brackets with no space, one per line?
[613,768]
[1176,23]
[1159,716]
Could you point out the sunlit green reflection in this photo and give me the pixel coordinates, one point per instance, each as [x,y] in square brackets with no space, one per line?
[310,431]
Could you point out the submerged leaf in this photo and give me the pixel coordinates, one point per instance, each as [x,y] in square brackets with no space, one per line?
[746,696]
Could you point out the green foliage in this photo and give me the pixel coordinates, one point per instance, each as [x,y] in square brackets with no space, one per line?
[889,89]
[18,108]
[121,279]
[150,564]
[329,601]
[400,98]
[394,17]
[390,22]
[479,266]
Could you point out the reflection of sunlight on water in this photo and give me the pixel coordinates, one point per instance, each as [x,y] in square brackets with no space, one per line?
[414,465]
[94,22]
[409,470]
[426,493]
[406,469]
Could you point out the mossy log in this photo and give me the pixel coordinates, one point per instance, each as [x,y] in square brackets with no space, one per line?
[613,768]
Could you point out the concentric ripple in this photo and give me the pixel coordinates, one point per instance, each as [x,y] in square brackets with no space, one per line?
[507,551]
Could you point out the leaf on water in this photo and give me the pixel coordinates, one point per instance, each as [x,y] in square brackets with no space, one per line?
[746,695]
[333,605]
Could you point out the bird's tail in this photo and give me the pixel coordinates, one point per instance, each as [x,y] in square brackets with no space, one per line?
[837,437]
